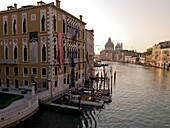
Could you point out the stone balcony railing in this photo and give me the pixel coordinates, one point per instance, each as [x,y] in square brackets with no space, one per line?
[8,61]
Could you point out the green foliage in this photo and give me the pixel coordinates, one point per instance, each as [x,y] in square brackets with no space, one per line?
[148,51]
[7,99]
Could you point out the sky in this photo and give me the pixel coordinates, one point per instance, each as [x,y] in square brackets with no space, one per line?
[138,24]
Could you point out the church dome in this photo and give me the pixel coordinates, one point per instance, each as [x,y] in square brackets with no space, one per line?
[109,44]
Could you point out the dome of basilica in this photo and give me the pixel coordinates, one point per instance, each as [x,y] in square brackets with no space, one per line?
[109,44]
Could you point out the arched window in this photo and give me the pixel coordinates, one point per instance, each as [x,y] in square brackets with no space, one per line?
[55,52]
[63,26]
[76,54]
[64,52]
[43,53]
[6,52]
[71,53]
[54,22]
[68,52]
[25,53]
[5,28]
[43,23]
[14,26]
[15,52]
[24,25]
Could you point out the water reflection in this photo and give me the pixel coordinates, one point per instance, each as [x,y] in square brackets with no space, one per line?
[140,99]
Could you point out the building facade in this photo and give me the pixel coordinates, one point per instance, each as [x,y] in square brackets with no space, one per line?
[89,34]
[41,43]
[108,53]
[161,55]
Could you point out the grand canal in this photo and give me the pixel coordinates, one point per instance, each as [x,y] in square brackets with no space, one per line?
[141,99]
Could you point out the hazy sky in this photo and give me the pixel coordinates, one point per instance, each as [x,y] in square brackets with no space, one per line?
[138,24]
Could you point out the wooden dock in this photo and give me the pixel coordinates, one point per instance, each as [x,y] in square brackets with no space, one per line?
[62,108]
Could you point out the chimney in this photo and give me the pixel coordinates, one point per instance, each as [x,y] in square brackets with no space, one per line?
[58,3]
[81,17]
[15,6]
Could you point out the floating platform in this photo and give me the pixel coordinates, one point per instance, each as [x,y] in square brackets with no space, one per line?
[62,108]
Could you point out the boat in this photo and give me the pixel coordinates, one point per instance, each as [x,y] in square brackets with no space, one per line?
[89,102]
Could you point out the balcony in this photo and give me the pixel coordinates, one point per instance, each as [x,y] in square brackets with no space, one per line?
[66,61]
[8,61]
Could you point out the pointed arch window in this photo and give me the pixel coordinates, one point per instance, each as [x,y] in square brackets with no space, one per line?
[25,53]
[54,22]
[14,26]
[55,52]
[43,52]
[6,52]
[64,52]
[5,28]
[15,52]
[64,26]
[68,53]
[43,23]
[24,26]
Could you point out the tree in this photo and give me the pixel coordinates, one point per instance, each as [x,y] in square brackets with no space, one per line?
[148,51]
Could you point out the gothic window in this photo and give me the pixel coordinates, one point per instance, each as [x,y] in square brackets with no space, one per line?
[14,26]
[43,53]
[25,53]
[79,53]
[24,25]
[65,69]
[83,34]
[64,52]
[56,84]
[64,80]
[55,71]
[5,28]
[54,22]
[55,52]
[63,26]
[76,53]
[15,52]
[68,52]
[43,23]
[67,78]
[6,52]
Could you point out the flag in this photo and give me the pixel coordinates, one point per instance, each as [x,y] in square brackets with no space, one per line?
[60,50]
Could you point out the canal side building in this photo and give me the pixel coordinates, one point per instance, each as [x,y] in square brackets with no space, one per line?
[41,43]
[89,34]
[161,55]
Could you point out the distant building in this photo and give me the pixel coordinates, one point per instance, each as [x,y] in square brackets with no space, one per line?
[161,55]
[108,52]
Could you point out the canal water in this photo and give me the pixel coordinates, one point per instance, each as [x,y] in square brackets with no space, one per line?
[140,99]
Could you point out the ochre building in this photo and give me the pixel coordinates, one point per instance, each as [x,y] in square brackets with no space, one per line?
[41,43]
